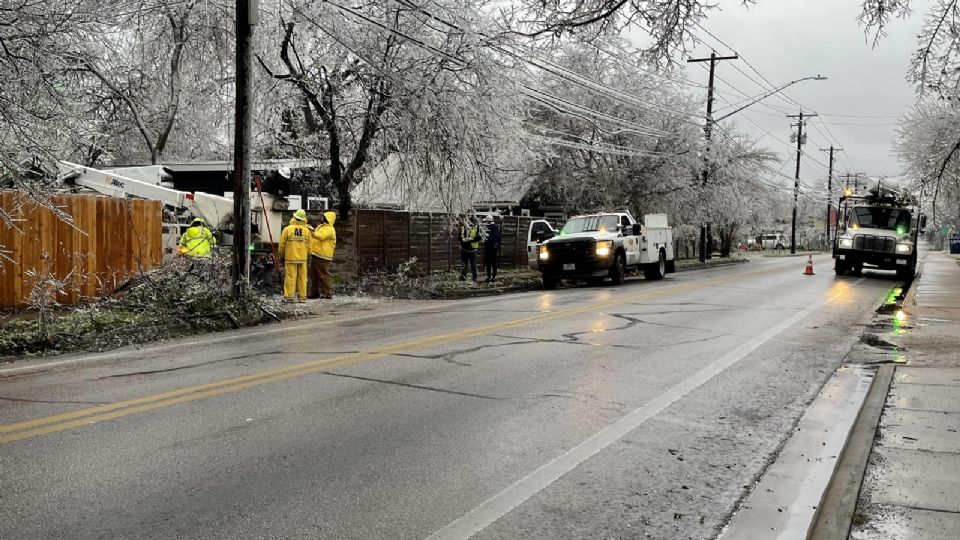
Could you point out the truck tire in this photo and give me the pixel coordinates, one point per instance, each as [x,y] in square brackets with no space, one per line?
[550,283]
[906,274]
[840,267]
[656,270]
[618,273]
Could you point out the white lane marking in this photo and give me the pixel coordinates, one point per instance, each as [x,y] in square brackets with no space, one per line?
[514,495]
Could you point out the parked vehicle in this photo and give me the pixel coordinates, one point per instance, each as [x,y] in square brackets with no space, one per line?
[774,241]
[880,229]
[599,246]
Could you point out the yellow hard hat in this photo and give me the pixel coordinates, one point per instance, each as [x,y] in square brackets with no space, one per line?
[300,215]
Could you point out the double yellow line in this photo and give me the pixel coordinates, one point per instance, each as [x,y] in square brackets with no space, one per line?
[60,422]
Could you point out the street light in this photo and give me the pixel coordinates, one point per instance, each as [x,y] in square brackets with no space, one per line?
[711,120]
[770,93]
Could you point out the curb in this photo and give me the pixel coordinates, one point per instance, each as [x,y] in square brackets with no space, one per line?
[834,516]
[718,265]
[909,299]
[480,293]
[835,513]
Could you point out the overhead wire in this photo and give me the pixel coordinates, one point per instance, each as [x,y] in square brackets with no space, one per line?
[565,73]
[781,95]
[771,135]
[540,96]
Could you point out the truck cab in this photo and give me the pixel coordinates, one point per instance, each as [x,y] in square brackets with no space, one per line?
[600,246]
[880,229]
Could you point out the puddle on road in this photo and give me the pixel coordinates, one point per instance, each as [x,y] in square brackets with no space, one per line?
[879,342]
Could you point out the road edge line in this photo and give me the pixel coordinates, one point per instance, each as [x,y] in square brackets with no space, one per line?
[834,515]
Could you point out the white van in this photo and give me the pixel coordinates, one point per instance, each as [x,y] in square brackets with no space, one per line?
[774,241]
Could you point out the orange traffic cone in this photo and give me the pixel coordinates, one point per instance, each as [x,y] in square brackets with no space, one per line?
[808,271]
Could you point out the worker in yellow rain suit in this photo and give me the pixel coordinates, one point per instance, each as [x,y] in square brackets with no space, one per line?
[294,248]
[197,241]
[322,245]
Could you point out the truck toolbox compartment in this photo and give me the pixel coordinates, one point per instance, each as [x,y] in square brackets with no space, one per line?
[655,221]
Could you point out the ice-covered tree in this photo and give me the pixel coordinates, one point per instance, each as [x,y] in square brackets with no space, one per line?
[376,78]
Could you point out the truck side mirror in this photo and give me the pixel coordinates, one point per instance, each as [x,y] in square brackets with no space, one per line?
[637,229]
[923,222]
[543,236]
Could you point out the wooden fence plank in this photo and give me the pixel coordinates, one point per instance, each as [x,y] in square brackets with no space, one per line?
[106,240]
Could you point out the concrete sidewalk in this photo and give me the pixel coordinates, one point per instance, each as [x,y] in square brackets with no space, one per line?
[912,485]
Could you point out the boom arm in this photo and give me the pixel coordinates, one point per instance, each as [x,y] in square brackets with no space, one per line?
[212,208]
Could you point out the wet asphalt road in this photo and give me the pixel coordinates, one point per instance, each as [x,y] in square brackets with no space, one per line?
[655,406]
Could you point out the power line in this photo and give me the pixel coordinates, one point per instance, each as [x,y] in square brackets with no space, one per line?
[560,71]
[771,135]
[785,97]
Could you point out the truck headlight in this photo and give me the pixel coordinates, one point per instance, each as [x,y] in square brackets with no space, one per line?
[905,249]
[544,254]
[603,248]
[845,243]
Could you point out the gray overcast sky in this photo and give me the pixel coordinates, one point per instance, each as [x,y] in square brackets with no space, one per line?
[790,39]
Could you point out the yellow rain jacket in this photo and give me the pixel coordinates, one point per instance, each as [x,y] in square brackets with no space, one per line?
[197,241]
[293,242]
[324,239]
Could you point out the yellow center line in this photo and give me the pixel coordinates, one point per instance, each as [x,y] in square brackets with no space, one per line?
[81,417]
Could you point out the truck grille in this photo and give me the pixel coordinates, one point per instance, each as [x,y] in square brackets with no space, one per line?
[869,242]
[569,251]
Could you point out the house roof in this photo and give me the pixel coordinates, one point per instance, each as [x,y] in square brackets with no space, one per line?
[394,183]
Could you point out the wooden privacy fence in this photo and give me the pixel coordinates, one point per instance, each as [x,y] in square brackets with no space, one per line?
[374,240]
[109,239]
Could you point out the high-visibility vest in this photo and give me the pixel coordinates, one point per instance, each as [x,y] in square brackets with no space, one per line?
[197,241]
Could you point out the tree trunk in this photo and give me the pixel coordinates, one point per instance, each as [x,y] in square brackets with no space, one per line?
[344,201]
[727,234]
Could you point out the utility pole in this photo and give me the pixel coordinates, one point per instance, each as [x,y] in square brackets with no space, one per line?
[242,138]
[796,181]
[830,189]
[708,135]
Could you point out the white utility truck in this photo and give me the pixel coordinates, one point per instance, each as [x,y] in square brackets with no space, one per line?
[598,246]
[880,227]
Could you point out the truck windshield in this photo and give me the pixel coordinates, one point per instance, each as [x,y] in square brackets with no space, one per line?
[894,219]
[591,223]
